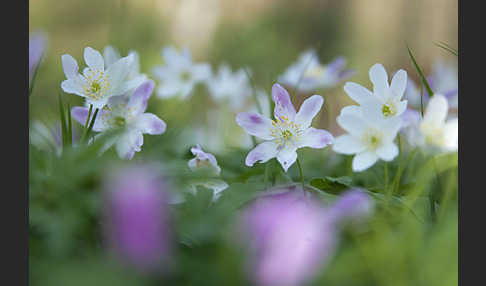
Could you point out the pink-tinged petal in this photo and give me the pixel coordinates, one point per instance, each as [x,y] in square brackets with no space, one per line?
[283,105]
[69,66]
[80,114]
[262,152]
[129,143]
[138,101]
[399,83]
[93,59]
[357,92]
[255,124]
[379,78]
[315,138]
[387,152]
[287,157]
[150,124]
[308,110]
[347,144]
[363,161]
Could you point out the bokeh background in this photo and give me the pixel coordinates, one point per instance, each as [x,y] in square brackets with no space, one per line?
[265,36]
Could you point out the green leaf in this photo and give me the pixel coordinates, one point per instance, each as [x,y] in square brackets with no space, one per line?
[422,77]
[447,48]
[332,185]
[63,121]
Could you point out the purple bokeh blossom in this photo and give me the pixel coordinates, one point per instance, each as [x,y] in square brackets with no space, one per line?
[37,46]
[137,218]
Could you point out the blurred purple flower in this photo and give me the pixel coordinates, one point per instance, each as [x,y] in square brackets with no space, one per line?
[354,207]
[37,46]
[137,218]
[290,237]
[49,137]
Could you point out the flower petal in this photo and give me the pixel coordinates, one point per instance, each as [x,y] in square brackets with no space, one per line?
[111,55]
[93,59]
[73,86]
[387,151]
[352,123]
[357,92]
[308,110]
[149,123]
[201,72]
[315,138]
[262,152]
[129,143]
[255,124]
[69,66]
[117,73]
[347,144]
[451,134]
[138,101]
[80,114]
[283,105]
[379,78]
[399,83]
[286,157]
[436,111]
[363,161]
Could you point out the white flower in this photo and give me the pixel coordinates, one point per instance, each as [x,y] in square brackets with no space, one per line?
[206,160]
[111,56]
[127,113]
[179,74]
[386,100]
[308,74]
[369,138]
[289,131]
[97,84]
[231,87]
[203,160]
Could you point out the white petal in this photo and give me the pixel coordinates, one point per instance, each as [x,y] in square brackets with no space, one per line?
[379,78]
[347,144]
[399,83]
[93,59]
[308,110]
[315,138]
[357,92]
[390,127]
[401,107]
[100,103]
[352,109]
[451,134]
[128,143]
[70,66]
[262,152]
[201,72]
[436,111]
[352,123]
[387,151]
[283,105]
[363,161]
[286,157]
[255,124]
[117,74]
[150,124]
[111,55]
[73,86]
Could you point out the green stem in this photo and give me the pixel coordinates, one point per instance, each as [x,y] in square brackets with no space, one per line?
[301,173]
[92,123]
[87,122]
[385,180]
[396,179]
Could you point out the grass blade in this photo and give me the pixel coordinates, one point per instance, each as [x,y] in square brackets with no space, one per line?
[63,121]
[422,77]
[70,126]
[447,48]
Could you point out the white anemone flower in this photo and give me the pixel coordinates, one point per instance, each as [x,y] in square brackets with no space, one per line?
[97,84]
[232,87]
[127,113]
[112,55]
[308,74]
[179,74]
[370,139]
[205,160]
[289,131]
[386,100]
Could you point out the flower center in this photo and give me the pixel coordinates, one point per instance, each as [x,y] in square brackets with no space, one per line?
[285,131]
[372,138]
[185,76]
[118,121]
[388,110]
[97,84]
[314,72]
